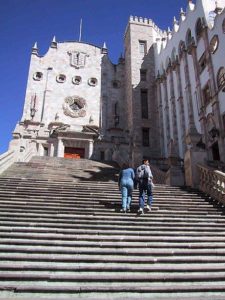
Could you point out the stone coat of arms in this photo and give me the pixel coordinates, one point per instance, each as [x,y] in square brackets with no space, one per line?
[74,106]
[77,59]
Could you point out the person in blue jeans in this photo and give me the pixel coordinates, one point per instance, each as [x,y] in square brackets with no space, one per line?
[126,186]
[144,177]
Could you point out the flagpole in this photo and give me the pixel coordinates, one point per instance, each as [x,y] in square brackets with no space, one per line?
[80,29]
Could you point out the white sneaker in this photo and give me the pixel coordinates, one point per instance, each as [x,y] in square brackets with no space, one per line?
[148,208]
[141,211]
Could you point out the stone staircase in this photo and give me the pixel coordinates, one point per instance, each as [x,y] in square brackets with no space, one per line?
[62,236]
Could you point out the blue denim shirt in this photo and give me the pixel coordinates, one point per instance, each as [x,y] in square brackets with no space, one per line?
[126,174]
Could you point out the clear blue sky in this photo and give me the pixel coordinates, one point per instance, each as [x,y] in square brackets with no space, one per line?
[23,22]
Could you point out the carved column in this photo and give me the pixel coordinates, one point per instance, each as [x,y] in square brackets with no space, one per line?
[180,103]
[60,149]
[193,154]
[160,108]
[166,103]
[173,109]
[192,51]
[90,149]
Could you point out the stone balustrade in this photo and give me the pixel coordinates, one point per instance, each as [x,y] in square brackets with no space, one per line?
[6,160]
[212,183]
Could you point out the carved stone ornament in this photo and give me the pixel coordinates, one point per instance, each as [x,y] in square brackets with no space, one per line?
[77,59]
[74,106]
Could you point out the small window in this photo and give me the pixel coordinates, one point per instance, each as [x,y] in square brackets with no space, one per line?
[221,79]
[142,47]
[38,76]
[143,75]
[76,80]
[202,63]
[214,43]
[206,94]
[223,26]
[145,137]
[144,104]
[93,81]
[61,78]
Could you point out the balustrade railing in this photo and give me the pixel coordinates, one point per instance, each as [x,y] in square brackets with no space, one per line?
[212,182]
[6,160]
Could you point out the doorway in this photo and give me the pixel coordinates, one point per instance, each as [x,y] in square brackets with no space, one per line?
[75,153]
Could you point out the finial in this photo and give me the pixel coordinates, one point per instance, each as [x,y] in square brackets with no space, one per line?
[175,24]
[191,5]
[35,49]
[104,49]
[182,14]
[54,43]
[169,33]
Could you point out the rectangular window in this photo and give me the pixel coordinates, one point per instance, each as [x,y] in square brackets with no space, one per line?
[145,137]
[143,75]
[142,47]
[144,104]
[206,95]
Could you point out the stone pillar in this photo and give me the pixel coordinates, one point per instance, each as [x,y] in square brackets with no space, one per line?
[160,108]
[180,103]
[90,148]
[192,51]
[173,109]
[51,149]
[167,117]
[175,174]
[60,149]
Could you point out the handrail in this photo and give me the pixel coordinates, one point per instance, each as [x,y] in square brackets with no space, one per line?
[6,160]
[212,182]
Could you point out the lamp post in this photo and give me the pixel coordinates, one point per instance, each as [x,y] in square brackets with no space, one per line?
[44,94]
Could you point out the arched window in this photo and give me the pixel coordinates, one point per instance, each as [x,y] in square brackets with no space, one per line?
[221,79]
[188,38]
[173,55]
[181,48]
[198,29]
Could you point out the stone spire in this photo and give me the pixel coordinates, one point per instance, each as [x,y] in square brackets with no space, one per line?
[35,49]
[175,24]
[54,43]
[104,49]
[182,14]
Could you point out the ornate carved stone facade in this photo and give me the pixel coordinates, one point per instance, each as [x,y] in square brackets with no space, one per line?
[164,98]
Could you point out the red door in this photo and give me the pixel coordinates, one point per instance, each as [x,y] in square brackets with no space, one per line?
[75,153]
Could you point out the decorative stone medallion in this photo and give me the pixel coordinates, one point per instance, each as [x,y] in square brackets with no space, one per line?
[74,106]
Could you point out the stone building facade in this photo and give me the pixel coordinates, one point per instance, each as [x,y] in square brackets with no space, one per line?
[164,100]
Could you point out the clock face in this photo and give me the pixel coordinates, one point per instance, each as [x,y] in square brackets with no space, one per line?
[214,43]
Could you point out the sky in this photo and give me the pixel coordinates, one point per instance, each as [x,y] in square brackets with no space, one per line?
[24,22]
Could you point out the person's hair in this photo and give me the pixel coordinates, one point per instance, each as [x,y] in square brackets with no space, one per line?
[125,166]
[144,160]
